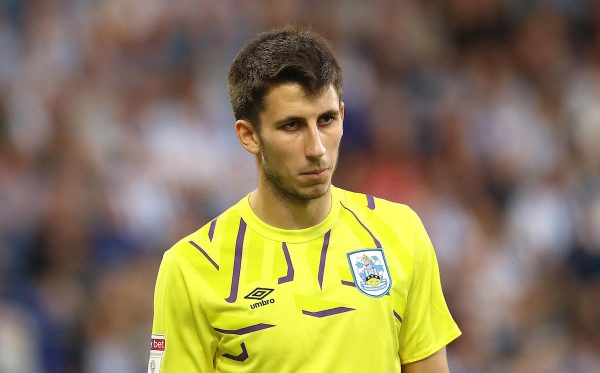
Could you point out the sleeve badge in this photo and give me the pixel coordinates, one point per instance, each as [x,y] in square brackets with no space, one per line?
[158,344]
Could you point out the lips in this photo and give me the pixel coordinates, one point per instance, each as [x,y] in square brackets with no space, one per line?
[315,172]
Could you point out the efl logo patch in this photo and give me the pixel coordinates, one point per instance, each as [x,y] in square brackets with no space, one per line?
[259,293]
[370,272]
[158,344]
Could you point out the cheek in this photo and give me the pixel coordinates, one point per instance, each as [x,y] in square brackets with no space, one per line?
[279,158]
[333,142]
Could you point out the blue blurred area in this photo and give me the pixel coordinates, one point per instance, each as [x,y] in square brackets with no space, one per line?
[116,139]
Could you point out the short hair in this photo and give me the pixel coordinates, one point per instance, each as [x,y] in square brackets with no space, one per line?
[287,55]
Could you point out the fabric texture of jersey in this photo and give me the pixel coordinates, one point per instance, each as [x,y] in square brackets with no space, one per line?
[239,295]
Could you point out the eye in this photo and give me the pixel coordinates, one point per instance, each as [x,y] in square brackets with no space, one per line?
[290,126]
[327,120]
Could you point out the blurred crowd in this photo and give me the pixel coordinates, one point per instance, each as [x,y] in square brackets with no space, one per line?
[116,139]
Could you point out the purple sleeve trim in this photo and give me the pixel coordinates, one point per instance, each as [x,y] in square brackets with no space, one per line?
[241,357]
[246,330]
[370,202]
[323,258]
[348,283]
[205,254]
[329,312]
[375,240]
[211,230]
[290,268]
[397,316]
[237,262]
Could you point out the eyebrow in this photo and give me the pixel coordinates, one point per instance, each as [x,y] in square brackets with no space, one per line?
[328,113]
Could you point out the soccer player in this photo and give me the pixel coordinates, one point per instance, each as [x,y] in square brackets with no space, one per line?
[299,276]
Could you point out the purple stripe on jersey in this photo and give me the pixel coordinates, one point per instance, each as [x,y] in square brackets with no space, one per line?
[323,257]
[290,268]
[370,202]
[211,230]
[205,254]
[329,312]
[397,316]
[241,357]
[237,262]
[348,283]
[377,243]
[246,330]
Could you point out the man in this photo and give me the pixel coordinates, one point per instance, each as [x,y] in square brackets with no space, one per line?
[299,276]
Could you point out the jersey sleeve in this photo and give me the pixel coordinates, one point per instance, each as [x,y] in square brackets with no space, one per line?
[189,344]
[427,325]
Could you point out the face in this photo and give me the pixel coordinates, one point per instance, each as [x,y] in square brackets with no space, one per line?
[299,139]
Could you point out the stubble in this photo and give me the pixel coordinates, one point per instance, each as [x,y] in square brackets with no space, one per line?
[282,189]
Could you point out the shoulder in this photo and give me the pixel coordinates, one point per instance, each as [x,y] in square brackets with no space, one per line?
[370,205]
[395,226]
[202,248]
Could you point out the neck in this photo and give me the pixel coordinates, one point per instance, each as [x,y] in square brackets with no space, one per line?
[286,213]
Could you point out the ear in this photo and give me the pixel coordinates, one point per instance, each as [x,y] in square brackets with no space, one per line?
[342,115]
[247,135]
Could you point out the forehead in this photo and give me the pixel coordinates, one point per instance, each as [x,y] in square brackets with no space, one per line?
[291,99]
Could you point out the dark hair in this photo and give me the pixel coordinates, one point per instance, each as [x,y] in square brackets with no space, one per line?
[275,57]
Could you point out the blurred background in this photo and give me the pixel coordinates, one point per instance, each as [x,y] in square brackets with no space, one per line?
[116,139]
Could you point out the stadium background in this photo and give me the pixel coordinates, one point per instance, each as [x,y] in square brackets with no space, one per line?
[116,139]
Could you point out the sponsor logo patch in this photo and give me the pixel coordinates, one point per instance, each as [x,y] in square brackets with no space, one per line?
[158,344]
[370,272]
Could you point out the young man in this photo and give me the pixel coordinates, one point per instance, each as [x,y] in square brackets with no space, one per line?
[299,276]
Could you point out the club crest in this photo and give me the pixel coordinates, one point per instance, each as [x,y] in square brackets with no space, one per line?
[370,272]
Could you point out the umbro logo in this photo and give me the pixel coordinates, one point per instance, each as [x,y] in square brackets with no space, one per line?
[260,294]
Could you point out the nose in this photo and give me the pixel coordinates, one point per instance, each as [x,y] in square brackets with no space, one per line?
[314,143]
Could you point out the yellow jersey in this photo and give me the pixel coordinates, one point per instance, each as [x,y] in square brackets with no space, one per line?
[359,292]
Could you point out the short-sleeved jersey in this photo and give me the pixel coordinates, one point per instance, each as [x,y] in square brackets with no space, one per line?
[359,292]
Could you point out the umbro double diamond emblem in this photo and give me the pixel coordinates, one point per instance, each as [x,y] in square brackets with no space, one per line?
[260,294]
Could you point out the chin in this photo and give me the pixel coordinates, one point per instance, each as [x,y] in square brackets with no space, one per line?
[316,191]
[296,191]
[304,194]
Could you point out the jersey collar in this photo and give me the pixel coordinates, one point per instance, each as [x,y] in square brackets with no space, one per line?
[292,235]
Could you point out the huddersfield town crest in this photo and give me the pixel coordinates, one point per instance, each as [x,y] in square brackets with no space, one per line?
[370,272]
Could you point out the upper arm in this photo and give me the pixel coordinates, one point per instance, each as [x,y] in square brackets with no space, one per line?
[436,363]
[189,344]
[427,325]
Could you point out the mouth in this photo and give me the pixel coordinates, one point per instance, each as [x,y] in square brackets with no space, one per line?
[317,173]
